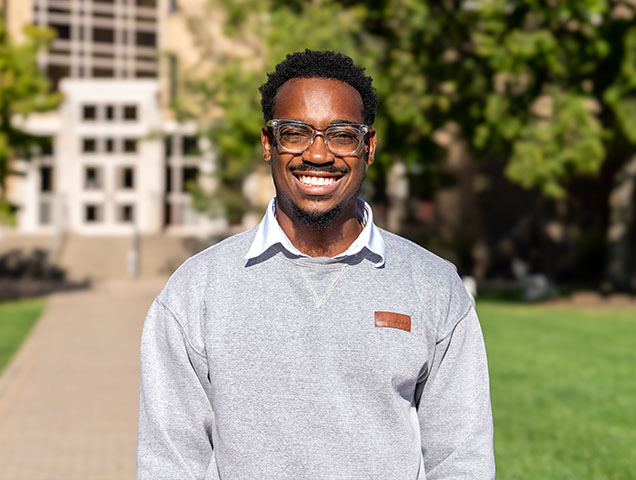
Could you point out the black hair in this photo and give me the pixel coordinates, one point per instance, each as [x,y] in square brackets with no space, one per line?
[313,64]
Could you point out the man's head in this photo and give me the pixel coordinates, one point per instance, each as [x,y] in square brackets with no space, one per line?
[319,107]
[312,64]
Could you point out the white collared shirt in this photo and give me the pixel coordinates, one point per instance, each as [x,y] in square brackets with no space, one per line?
[269,233]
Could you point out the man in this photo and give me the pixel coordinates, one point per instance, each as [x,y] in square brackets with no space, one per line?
[316,346]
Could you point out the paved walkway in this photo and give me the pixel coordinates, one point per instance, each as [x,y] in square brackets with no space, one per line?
[69,399]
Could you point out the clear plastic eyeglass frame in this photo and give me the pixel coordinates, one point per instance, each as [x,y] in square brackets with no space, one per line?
[276,125]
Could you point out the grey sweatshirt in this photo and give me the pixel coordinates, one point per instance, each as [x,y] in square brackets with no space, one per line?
[298,368]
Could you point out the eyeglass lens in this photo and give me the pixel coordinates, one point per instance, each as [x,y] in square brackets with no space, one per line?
[341,140]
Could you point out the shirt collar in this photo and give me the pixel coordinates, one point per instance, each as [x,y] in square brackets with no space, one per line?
[269,234]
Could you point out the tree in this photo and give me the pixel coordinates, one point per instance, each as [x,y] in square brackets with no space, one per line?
[24,89]
[548,86]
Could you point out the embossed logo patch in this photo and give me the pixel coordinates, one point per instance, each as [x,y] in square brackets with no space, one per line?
[393,320]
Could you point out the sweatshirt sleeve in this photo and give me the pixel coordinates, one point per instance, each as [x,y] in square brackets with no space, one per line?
[175,416]
[454,408]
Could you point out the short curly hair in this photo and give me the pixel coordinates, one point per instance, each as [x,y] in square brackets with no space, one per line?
[315,64]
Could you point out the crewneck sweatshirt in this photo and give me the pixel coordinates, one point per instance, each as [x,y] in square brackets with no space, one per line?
[287,367]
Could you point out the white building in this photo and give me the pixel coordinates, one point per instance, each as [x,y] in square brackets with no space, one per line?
[117,164]
[114,167]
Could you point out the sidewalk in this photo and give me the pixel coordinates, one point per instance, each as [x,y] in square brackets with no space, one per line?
[69,399]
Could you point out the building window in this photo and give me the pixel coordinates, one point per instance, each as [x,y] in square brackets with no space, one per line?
[92,178]
[103,35]
[60,51]
[103,73]
[146,39]
[46,179]
[127,213]
[130,112]
[144,17]
[45,213]
[128,178]
[56,73]
[174,6]
[167,213]
[109,145]
[110,112]
[92,213]
[145,74]
[63,11]
[146,58]
[167,146]
[190,146]
[89,112]
[106,55]
[89,145]
[168,179]
[103,15]
[190,175]
[130,145]
[146,3]
[47,148]
[63,32]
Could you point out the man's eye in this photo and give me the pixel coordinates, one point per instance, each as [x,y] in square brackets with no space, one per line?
[343,136]
[294,136]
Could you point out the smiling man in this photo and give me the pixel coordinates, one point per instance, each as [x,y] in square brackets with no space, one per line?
[316,346]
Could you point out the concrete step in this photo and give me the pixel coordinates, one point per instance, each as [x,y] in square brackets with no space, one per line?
[107,257]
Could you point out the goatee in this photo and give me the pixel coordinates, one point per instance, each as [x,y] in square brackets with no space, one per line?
[319,221]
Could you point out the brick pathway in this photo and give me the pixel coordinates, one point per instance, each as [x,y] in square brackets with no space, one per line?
[69,399]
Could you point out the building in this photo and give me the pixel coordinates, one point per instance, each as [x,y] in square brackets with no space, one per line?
[117,164]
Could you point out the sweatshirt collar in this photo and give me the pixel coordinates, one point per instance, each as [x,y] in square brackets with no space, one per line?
[269,234]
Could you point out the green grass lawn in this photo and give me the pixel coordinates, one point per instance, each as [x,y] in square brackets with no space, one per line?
[16,320]
[563,386]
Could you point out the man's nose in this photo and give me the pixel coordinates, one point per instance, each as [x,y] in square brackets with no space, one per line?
[318,151]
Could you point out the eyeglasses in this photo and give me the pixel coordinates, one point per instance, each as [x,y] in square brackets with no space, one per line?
[295,137]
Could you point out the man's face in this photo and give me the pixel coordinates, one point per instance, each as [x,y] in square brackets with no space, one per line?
[316,187]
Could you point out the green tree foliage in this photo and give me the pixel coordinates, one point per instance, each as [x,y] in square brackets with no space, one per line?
[524,79]
[23,90]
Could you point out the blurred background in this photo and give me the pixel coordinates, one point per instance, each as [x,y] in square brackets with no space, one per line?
[129,140]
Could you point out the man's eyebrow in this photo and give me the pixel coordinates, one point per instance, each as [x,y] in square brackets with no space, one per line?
[333,122]
[343,122]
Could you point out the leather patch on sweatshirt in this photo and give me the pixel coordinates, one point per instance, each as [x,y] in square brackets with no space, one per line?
[393,320]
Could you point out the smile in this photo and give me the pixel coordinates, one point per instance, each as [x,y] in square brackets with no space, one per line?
[316,181]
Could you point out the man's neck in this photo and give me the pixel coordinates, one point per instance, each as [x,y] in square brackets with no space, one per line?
[324,241]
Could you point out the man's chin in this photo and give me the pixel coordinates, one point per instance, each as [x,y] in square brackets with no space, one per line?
[320,220]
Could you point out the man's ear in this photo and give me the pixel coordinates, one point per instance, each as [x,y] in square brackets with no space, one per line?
[369,145]
[266,143]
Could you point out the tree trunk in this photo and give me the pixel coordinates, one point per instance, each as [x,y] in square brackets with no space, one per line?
[459,215]
[619,268]
[397,189]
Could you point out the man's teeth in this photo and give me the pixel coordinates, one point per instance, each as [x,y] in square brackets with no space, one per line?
[316,181]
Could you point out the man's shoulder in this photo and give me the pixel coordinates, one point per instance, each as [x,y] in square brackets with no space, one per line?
[402,251]
[434,279]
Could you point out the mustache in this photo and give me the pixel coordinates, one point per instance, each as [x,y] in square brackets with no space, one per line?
[317,168]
